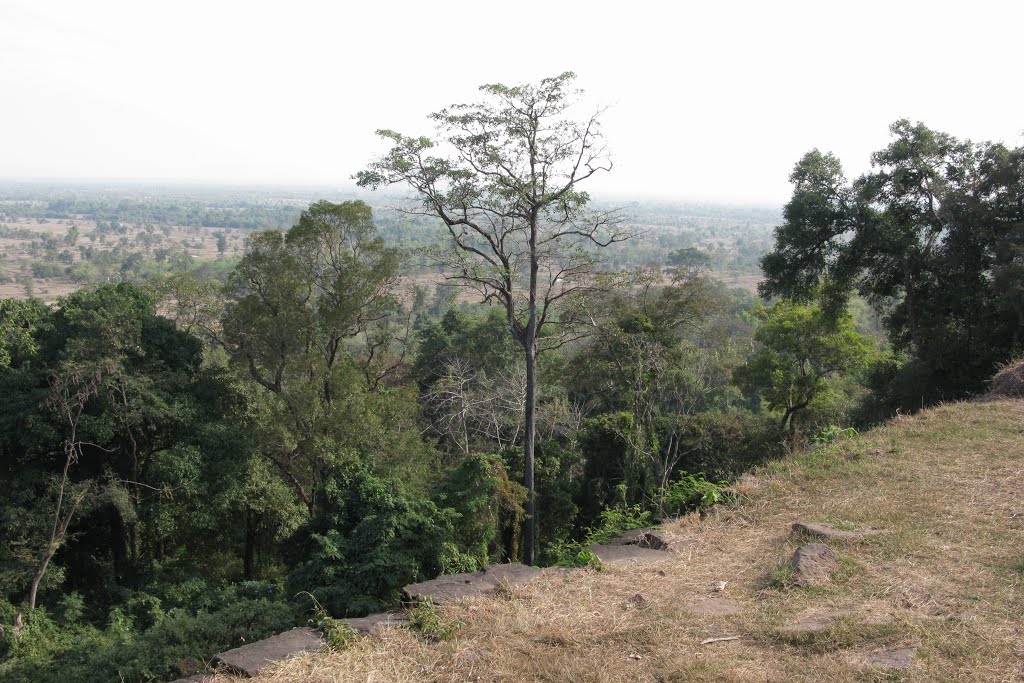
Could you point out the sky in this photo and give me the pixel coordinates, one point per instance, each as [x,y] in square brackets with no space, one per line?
[706,100]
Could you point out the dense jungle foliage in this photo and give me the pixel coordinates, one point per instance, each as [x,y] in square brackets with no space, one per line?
[186,463]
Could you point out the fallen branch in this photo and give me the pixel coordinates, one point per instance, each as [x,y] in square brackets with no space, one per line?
[719,640]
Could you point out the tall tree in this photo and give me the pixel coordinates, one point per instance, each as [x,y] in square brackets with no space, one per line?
[293,303]
[503,177]
[923,237]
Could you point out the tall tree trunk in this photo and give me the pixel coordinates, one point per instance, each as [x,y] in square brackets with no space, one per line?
[57,531]
[530,531]
[530,344]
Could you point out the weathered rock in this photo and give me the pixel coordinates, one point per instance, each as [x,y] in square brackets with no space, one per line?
[745,482]
[653,539]
[815,622]
[829,533]
[250,659]
[636,602]
[457,586]
[891,660]
[813,564]
[195,678]
[374,623]
[715,607]
[513,574]
[621,554]
[645,538]
[821,621]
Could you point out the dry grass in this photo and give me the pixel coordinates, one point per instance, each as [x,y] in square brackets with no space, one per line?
[1009,381]
[947,486]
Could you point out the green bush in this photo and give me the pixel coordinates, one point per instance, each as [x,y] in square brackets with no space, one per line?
[425,620]
[489,506]
[178,645]
[367,541]
[693,492]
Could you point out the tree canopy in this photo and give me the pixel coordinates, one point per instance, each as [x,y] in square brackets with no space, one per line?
[930,237]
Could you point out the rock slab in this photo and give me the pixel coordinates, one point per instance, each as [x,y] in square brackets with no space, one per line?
[374,623]
[813,564]
[451,587]
[826,532]
[891,660]
[715,607]
[624,554]
[642,546]
[821,621]
[250,659]
[815,623]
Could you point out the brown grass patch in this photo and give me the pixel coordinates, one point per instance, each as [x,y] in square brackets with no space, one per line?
[947,488]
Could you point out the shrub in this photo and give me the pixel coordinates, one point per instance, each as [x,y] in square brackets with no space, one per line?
[178,645]
[367,541]
[693,492]
[490,508]
[425,619]
[614,521]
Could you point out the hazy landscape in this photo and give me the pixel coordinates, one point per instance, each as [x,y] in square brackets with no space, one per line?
[453,342]
[147,231]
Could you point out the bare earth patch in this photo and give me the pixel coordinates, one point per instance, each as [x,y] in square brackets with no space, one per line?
[936,597]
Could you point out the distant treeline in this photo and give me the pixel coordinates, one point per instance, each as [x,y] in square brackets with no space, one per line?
[240,215]
[733,237]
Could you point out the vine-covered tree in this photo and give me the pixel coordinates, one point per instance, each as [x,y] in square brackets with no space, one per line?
[504,177]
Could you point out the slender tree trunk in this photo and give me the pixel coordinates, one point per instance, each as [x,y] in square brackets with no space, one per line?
[56,533]
[37,578]
[530,532]
[530,426]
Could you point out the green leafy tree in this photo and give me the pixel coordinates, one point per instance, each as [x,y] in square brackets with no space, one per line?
[295,304]
[648,360]
[100,387]
[927,237]
[367,540]
[801,349]
[521,234]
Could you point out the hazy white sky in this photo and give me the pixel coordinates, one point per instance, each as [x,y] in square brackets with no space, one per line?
[709,100]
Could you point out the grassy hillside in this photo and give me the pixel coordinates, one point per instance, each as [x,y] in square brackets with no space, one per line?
[946,577]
